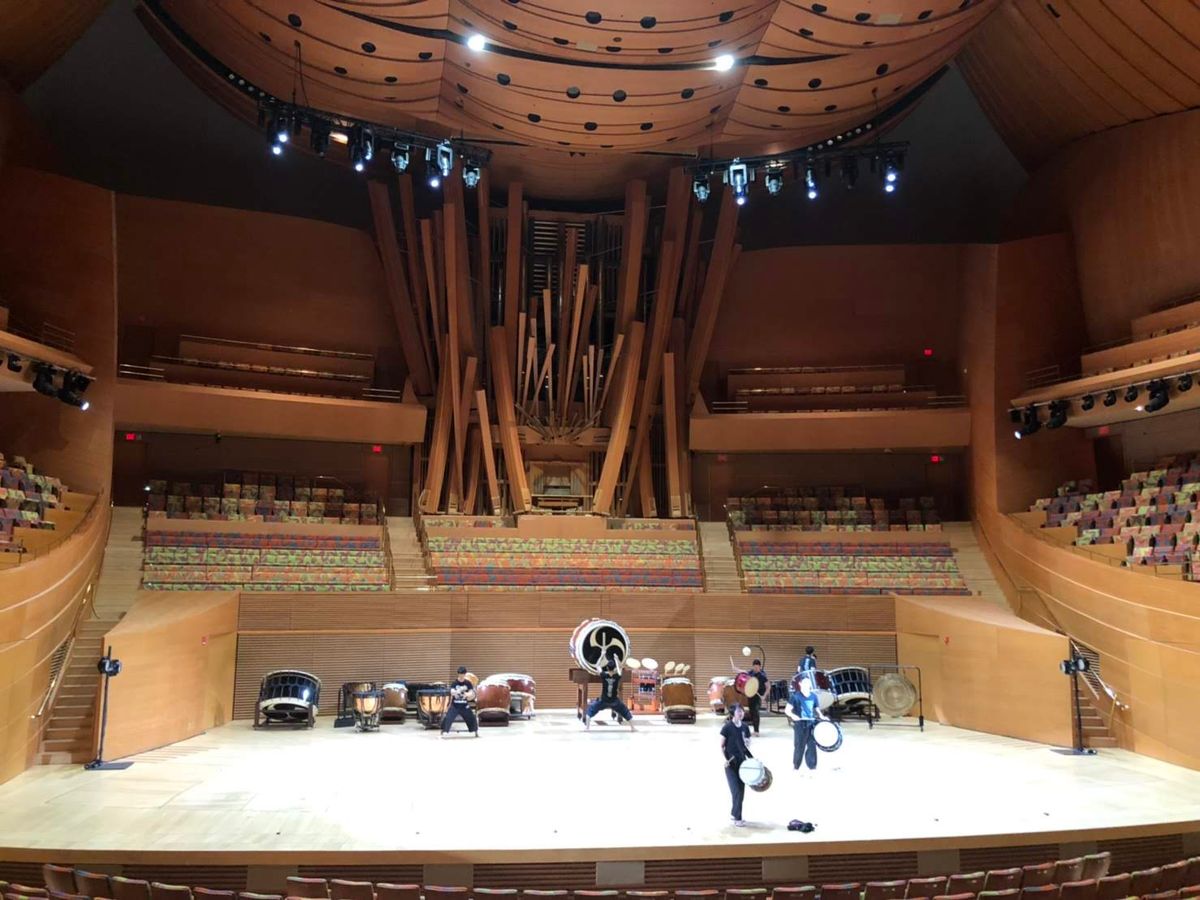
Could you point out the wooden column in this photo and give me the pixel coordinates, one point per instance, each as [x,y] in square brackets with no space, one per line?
[637,210]
[510,441]
[671,434]
[619,435]
[396,284]
[514,262]
[439,446]
[415,265]
[489,458]
[719,266]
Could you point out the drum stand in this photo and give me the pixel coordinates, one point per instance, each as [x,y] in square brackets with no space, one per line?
[874,717]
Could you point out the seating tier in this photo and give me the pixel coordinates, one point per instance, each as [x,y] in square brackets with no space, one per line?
[27,499]
[843,568]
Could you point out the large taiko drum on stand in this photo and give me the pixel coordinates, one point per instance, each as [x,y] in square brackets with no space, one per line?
[852,686]
[716,692]
[493,700]
[395,702]
[288,696]
[822,686]
[522,692]
[755,775]
[678,699]
[432,705]
[595,641]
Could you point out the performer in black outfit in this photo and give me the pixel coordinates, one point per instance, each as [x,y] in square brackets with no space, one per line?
[735,751]
[610,696]
[462,692]
[808,665]
[804,711]
[764,685]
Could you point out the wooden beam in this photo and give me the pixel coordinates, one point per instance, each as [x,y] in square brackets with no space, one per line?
[567,373]
[396,285]
[439,446]
[510,441]
[415,265]
[637,211]
[682,428]
[483,313]
[671,437]
[618,437]
[720,265]
[691,267]
[473,461]
[513,266]
[428,252]
[454,208]
[489,458]
[645,483]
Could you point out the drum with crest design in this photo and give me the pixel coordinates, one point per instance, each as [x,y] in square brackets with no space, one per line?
[595,641]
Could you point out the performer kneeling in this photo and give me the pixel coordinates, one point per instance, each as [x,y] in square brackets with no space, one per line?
[610,696]
[735,751]
[462,692]
[803,710]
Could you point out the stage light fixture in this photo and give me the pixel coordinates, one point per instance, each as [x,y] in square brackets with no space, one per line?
[400,157]
[471,175]
[849,171]
[443,158]
[1185,383]
[14,363]
[738,177]
[1159,396]
[1087,402]
[700,186]
[773,179]
[810,181]
[1030,423]
[1014,416]
[43,379]
[1131,393]
[74,385]
[477,42]
[1058,413]
[1110,399]
[319,136]
[724,62]
[277,148]
[362,147]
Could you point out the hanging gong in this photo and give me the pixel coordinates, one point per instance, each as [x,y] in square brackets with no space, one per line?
[894,694]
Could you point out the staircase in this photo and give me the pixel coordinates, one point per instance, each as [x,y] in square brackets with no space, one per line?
[972,564]
[121,572]
[1095,731]
[408,560]
[68,734]
[716,556]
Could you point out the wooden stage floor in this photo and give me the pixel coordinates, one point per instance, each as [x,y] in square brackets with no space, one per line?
[549,791]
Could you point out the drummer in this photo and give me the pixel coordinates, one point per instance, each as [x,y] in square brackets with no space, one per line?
[808,664]
[610,696]
[735,751]
[462,692]
[804,711]
[756,669]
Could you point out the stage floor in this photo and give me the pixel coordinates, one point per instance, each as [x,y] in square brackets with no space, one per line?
[548,790]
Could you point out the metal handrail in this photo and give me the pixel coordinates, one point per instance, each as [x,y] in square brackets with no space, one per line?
[62,536]
[277,348]
[56,675]
[737,553]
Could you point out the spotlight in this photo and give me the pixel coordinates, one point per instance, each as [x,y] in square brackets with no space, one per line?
[1183,385]
[1110,399]
[277,149]
[319,137]
[283,129]
[1030,423]
[1058,414]
[1087,402]
[400,157]
[700,186]
[14,363]
[1014,416]
[850,171]
[74,385]
[810,182]
[434,181]
[362,147]
[477,42]
[471,175]
[774,181]
[723,63]
[444,158]
[738,177]
[1131,393]
[1159,396]
[43,379]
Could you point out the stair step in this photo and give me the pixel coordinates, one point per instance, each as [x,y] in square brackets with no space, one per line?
[1100,741]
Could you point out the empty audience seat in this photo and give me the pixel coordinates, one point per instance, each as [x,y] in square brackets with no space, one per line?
[263,497]
[778,567]
[829,509]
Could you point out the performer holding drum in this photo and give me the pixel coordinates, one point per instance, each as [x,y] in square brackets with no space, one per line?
[804,711]
[462,692]
[735,751]
[610,696]
[756,699]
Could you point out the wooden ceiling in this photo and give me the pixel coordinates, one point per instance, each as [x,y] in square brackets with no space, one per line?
[1048,73]
[609,78]
[34,35]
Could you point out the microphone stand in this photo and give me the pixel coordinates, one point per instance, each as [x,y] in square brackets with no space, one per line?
[108,667]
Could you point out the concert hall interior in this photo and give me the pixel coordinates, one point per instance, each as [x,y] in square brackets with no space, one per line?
[645,450]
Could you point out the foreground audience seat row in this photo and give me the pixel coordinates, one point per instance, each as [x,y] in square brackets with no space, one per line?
[1081,878]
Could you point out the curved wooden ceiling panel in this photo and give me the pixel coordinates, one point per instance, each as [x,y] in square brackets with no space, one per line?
[600,76]
[1049,73]
[34,35]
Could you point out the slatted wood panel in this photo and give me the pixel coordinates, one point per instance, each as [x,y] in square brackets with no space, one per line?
[704,873]
[226,878]
[374,874]
[981,859]
[841,867]
[537,876]
[25,873]
[1131,854]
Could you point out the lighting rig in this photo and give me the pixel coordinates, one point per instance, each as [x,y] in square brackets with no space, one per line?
[1158,393]
[49,380]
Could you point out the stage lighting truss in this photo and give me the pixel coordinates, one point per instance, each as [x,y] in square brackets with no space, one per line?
[1158,397]
[812,165]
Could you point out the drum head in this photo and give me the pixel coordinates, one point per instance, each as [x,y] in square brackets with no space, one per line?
[595,641]
[752,772]
[752,686]
[827,735]
[633,663]
[649,663]
[825,699]
[669,669]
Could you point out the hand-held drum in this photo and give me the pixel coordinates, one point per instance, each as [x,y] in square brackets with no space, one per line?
[755,774]
[395,700]
[732,695]
[740,680]
[494,700]
[432,704]
[827,735]
[289,695]
[753,685]
[367,706]
[595,641]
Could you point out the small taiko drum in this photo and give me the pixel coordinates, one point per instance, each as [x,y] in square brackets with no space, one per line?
[678,699]
[493,700]
[432,704]
[522,690]
[395,701]
[716,693]
[755,775]
[595,641]
[731,695]
[827,735]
